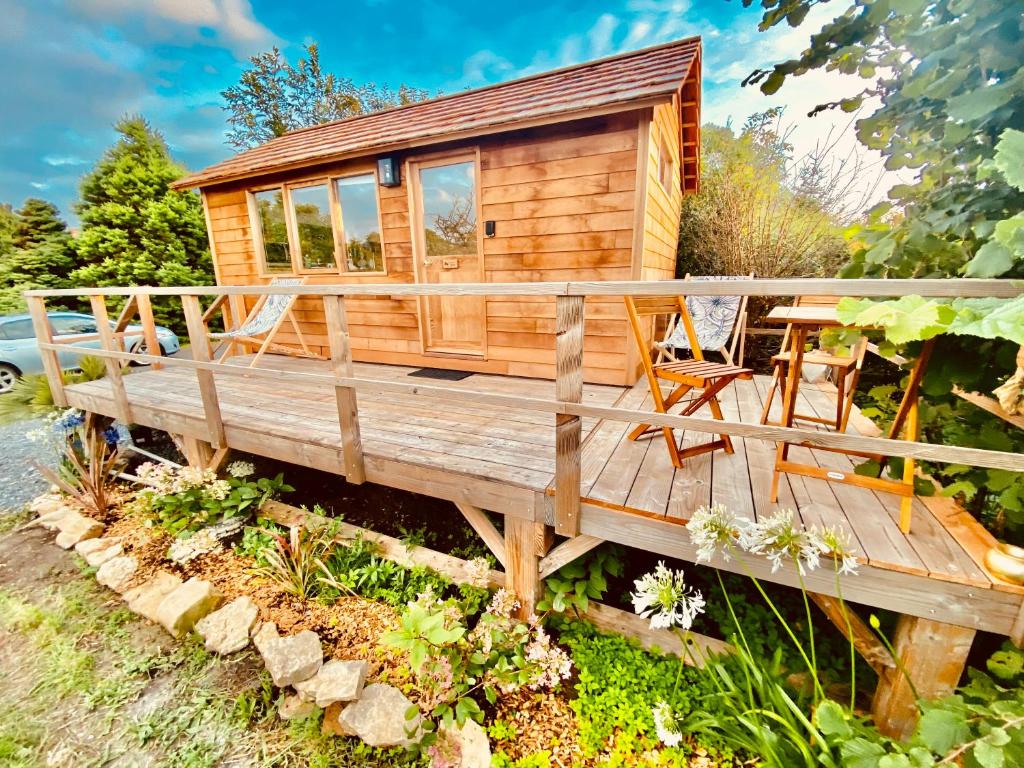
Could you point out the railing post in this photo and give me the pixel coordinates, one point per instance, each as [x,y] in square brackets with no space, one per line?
[113,366]
[51,364]
[200,347]
[568,429]
[144,304]
[341,366]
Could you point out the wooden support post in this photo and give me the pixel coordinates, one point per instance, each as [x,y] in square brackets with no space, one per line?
[114,370]
[145,306]
[933,654]
[198,453]
[478,519]
[51,363]
[545,539]
[200,346]
[568,429]
[348,412]
[521,570]
[857,631]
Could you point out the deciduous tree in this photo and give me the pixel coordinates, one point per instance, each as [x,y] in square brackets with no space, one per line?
[274,97]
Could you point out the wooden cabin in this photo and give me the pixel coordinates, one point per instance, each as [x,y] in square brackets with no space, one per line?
[576,174]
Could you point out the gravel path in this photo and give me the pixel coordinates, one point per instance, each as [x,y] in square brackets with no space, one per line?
[19,482]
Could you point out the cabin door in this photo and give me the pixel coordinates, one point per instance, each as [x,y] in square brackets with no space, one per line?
[448,250]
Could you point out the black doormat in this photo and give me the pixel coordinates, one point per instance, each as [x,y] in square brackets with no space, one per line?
[440,373]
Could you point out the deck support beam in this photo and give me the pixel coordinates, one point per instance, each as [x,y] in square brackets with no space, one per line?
[480,523]
[348,411]
[856,631]
[568,429]
[522,573]
[198,453]
[934,655]
[566,552]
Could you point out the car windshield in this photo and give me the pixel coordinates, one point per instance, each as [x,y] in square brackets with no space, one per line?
[17,329]
[64,325]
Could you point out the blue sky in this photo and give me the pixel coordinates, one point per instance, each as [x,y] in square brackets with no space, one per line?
[72,67]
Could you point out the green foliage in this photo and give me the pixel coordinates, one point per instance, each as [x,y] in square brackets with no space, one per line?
[274,97]
[616,683]
[761,210]
[952,95]
[136,230]
[31,397]
[35,252]
[584,579]
[297,562]
[186,500]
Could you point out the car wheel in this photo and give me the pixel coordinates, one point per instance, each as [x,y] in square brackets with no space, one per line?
[140,348]
[8,376]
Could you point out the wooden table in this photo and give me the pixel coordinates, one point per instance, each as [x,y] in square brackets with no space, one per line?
[804,320]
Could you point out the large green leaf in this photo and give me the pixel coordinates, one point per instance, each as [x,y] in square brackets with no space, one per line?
[991,260]
[1009,157]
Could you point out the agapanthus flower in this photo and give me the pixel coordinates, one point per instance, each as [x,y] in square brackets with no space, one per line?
[664,597]
[241,469]
[713,528]
[836,543]
[780,536]
[665,725]
[70,419]
[115,435]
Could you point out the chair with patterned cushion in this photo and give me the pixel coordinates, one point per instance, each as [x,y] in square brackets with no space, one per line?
[264,321]
[720,323]
[702,379]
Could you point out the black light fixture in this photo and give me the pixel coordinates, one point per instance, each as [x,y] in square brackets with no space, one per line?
[490,228]
[388,171]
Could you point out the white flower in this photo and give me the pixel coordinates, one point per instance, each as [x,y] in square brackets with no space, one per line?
[665,599]
[218,489]
[552,663]
[241,469]
[503,603]
[665,725]
[478,572]
[713,527]
[835,543]
[779,537]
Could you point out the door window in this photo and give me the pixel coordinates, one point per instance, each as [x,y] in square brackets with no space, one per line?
[17,329]
[449,209]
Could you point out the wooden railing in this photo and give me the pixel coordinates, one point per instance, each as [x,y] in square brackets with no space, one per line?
[567,405]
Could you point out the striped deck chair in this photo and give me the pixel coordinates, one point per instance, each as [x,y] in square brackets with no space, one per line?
[719,321]
[264,321]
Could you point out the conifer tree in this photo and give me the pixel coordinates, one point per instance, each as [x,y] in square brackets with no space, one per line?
[38,253]
[136,230]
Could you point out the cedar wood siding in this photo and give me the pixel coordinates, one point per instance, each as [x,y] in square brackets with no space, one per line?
[565,202]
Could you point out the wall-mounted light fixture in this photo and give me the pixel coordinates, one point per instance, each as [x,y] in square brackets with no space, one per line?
[388,171]
[490,228]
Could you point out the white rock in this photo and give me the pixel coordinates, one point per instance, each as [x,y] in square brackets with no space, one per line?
[227,629]
[378,718]
[291,659]
[49,504]
[145,599]
[179,611]
[91,546]
[337,680]
[294,708]
[75,527]
[117,574]
[267,631]
[474,748]
[96,556]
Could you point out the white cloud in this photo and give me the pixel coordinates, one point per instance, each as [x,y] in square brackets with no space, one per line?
[600,35]
[59,160]
[232,21]
[39,185]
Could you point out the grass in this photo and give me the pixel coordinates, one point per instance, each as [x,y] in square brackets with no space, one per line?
[85,683]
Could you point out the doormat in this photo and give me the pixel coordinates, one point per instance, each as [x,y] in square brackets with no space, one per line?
[440,373]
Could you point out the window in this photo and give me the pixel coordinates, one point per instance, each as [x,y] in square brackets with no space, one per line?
[449,209]
[273,230]
[17,329]
[312,209]
[666,167]
[66,325]
[360,223]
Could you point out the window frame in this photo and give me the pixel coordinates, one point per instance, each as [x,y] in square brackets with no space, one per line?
[292,232]
[666,165]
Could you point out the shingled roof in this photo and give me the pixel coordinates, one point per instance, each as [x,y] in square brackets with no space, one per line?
[606,85]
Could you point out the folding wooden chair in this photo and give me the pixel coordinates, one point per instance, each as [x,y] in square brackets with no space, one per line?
[844,371]
[697,374]
[264,321]
[720,322]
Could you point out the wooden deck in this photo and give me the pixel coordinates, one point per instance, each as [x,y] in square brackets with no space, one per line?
[503,459]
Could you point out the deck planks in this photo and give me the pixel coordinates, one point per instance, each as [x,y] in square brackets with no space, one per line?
[466,448]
